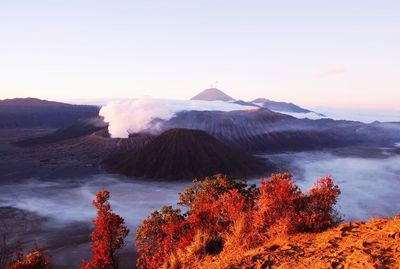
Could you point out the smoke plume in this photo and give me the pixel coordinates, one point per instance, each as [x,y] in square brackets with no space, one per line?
[135,115]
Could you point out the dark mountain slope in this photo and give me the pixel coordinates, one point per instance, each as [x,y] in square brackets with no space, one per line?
[281,106]
[232,125]
[77,129]
[263,131]
[185,154]
[36,113]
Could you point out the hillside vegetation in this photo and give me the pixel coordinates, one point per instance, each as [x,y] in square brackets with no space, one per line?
[225,217]
[229,224]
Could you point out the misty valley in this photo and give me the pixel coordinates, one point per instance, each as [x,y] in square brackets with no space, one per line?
[55,157]
[51,211]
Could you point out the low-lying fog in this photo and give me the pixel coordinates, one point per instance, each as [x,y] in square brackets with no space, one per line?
[71,200]
[66,208]
[370,187]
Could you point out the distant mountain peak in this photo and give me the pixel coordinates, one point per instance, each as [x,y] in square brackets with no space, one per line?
[212,94]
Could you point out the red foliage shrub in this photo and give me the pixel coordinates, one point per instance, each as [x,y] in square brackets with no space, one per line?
[109,234]
[211,206]
[214,214]
[282,207]
[279,203]
[215,202]
[161,233]
[36,259]
[221,210]
[232,205]
[321,200]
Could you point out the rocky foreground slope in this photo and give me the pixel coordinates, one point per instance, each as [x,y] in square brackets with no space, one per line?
[372,244]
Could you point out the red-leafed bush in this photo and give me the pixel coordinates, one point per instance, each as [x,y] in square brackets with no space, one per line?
[321,200]
[283,208]
[215,202]
[279,204]
[108,236]
[211,205]
[225,216]
[160,234]
[109,233]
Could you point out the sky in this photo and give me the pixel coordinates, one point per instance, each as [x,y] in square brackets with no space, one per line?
[315,53]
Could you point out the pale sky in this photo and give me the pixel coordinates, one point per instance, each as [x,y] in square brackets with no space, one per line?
[338,53]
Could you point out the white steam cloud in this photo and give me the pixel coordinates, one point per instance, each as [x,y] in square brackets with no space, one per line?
[135,115]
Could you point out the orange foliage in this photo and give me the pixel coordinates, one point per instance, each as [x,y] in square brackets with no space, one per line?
[283,208]
[108,236]
[36,259]
[212,206]
[321,201]
[159,234]
[216,202]
[225,215]
[279,203]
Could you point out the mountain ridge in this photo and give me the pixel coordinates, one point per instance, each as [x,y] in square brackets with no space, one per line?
[280,106]
[36,113]
[31,101]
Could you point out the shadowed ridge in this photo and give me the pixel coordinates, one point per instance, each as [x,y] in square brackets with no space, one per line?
[77,129]
[280,106]
[185,154]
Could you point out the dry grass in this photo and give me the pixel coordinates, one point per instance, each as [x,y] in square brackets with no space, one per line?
[373,244]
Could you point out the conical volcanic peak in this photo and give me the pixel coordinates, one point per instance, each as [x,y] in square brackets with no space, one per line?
[186,154]
[212,94]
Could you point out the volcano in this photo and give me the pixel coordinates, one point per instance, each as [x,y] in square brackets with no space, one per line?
[185,154]
[212,94]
